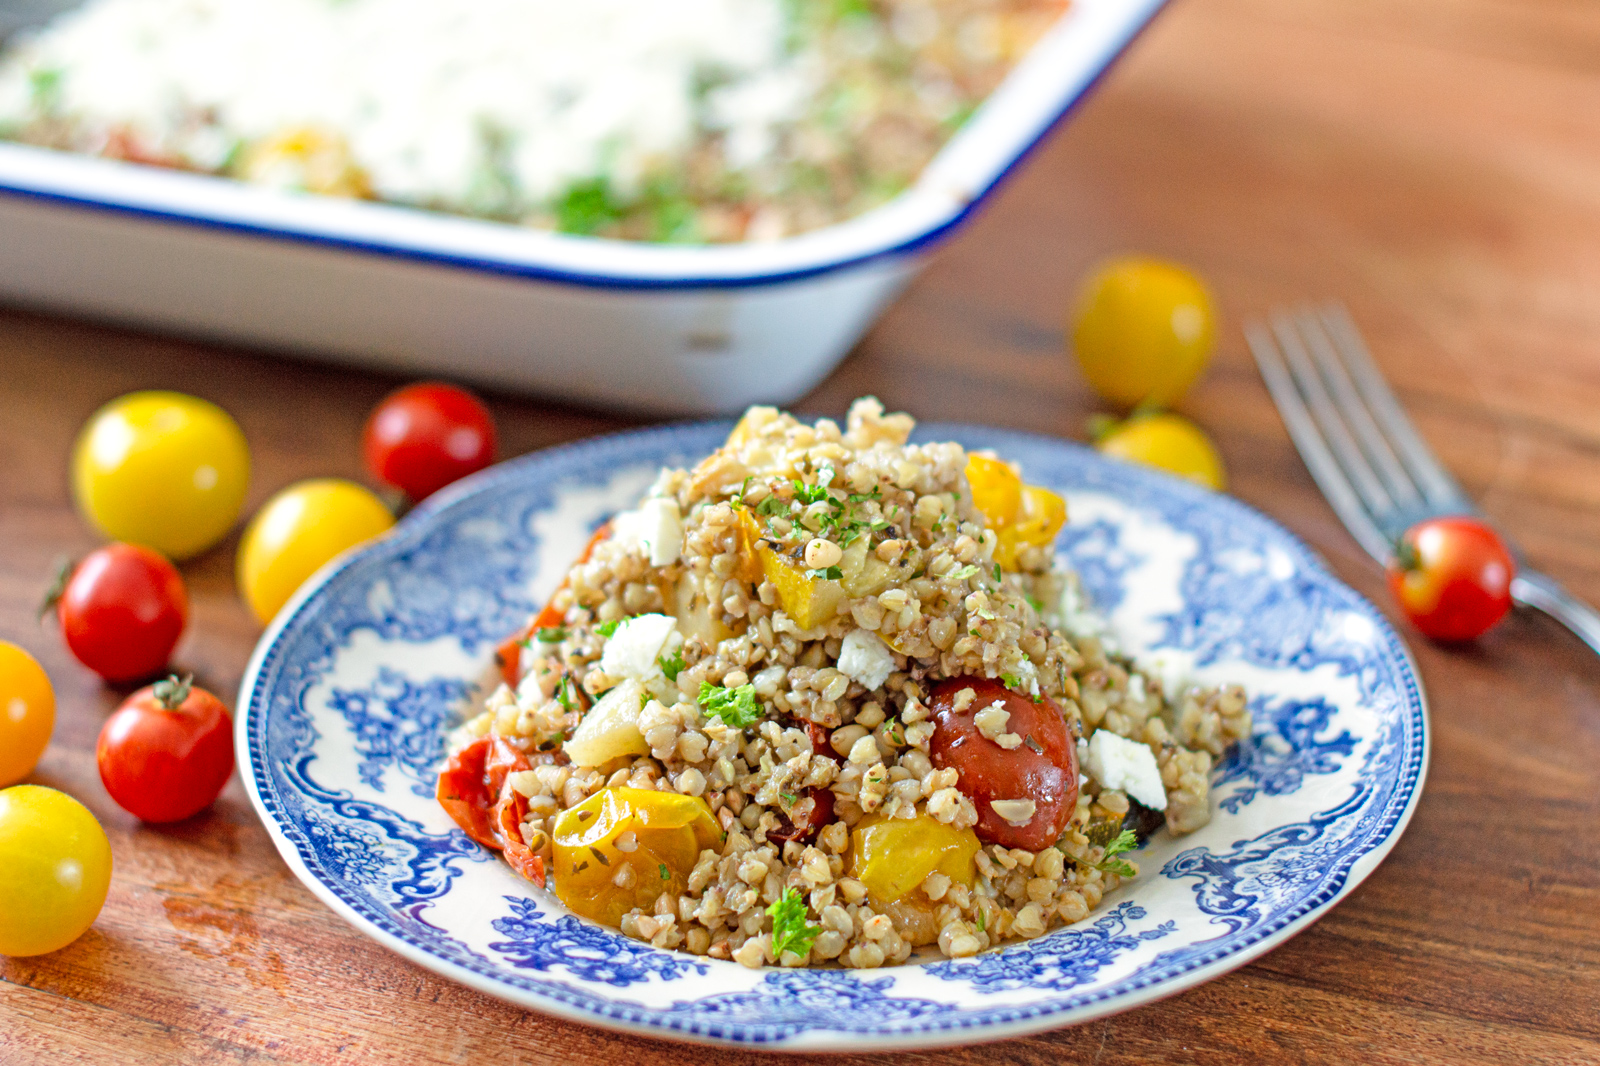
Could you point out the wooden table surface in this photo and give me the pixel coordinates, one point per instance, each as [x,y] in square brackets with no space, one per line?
[1434,164]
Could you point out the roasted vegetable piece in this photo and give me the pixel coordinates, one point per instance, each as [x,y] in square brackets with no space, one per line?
[475,789]
[1042,769]
[805,820]
[1021,515]
[892,856]
[810,601]
[623,847]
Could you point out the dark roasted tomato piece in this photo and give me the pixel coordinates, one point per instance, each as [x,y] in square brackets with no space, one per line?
[475,790]
[1043,768]
[508,657]
[810,815]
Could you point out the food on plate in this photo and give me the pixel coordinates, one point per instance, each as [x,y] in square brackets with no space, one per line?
[820,698]
[1452,577]
[1165,441]
[161,469]
[1143,331]
[699,120]
[427,435]
[122,610]
[298,530]
[27,713]
[55,869]
[167,751]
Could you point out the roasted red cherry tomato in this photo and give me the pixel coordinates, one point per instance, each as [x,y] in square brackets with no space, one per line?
[475,789]
[122,610]
[167,751]
[509,655]
[427,435]
[1042,769]
[1452,577]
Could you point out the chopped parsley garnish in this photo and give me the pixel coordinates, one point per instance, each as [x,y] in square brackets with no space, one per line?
[790,798]
[665,876]
[736,707]
[809,494]
[554,635]
[965,572]
[832,573]
[1126,840]
[771,506]
[606,629]
[982,918]
[790,930]
[997,573]
[1036,603]
[672,665]
[564,694]
[1011,680]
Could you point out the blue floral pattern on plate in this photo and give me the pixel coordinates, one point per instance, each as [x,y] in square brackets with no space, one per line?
[345,705]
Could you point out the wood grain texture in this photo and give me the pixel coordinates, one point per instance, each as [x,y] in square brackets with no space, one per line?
[1434,163]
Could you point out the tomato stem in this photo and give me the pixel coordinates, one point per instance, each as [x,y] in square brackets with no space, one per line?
[62,573]
[172,691]
[1100,427]
[1406,557]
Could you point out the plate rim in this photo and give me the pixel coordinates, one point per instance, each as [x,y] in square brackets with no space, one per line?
[414,525]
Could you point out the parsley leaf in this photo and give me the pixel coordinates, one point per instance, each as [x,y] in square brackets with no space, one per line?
[809,494]
[997,573]
[982,916]
[1036,603]
[672,665]
[553,635]
[790,930]
[606,629]
[735,706]
[770,506]
[564,694]
[664,874]
[965,572]
[1126,840]
[1011,680]
[832,573]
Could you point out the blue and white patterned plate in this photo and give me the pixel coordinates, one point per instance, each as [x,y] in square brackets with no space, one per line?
[343,710]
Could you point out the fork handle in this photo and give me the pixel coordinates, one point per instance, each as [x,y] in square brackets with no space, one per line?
[1533,589]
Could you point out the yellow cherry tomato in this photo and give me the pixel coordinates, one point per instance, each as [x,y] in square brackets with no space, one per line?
[892,856]
[161,469]
[55,868]
[297,531]
[1144,331]
[27,713]
[1021,515]
[622,847]
[1169,442]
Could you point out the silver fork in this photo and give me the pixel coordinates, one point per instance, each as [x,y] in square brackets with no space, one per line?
[1364,453]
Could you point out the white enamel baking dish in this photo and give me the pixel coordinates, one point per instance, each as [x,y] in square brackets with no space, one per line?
[664,329]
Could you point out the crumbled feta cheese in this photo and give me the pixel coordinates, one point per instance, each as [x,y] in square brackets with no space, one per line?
[1117,762]
[1015,812]
[656,527]
[864,657]
[1136,687]
[636,646]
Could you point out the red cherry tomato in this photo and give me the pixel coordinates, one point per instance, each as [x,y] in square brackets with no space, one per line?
[1452,577]
[122,610]
[167,751]
[425,436]
[1044,771]
[475,790]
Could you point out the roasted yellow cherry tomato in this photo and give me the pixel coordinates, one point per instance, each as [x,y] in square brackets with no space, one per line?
[1169,442]
[1021,515]
[892,856]
[55,868]
[161,469]
[1144,331]
[27,713]
[297,531]
[308,158]
[622,847]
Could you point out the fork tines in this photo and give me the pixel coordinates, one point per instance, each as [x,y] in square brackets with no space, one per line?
[1359,445]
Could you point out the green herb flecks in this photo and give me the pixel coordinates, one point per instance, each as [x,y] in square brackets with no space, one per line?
[1110,863]
[832,573]
[736,707]
[1036,603]
[1011,681]
[790,930]
[997,576]
[665,876]
[553,635]
[608,629]
[965,572]
[672,665]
